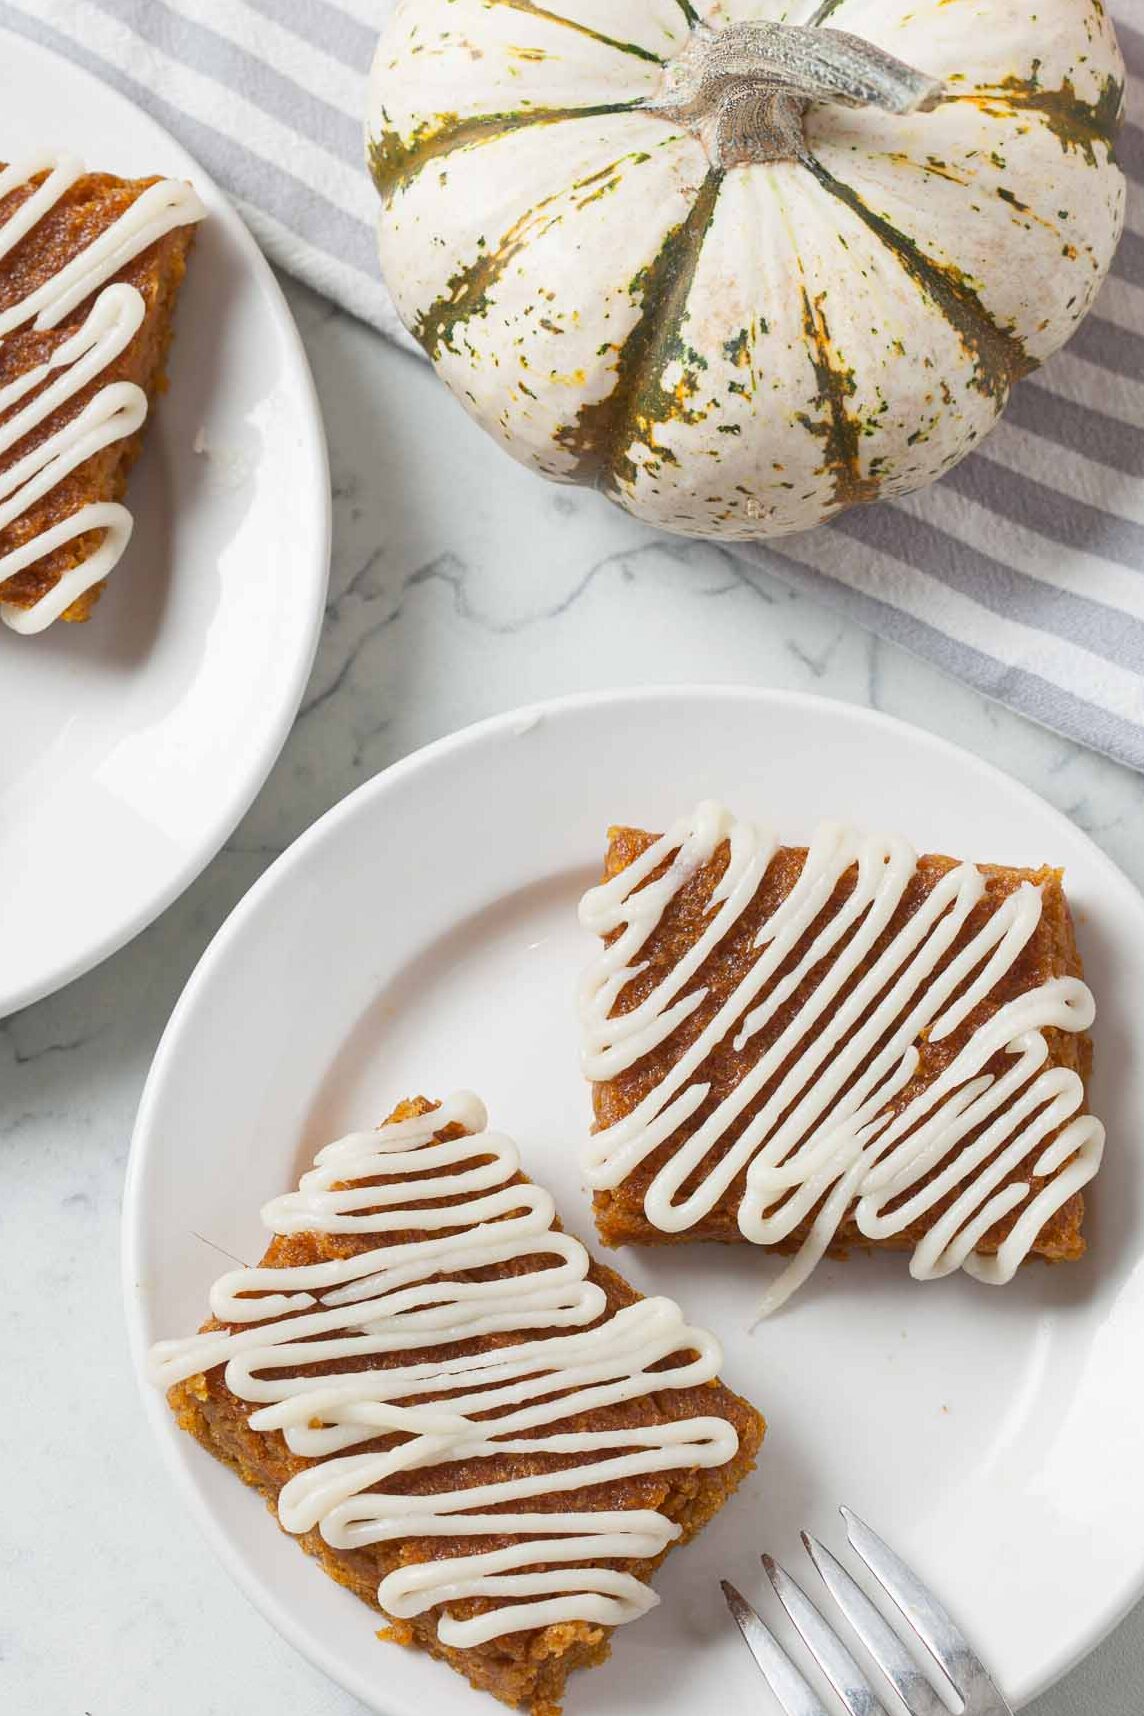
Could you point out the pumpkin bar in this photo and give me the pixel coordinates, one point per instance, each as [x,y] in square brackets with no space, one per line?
[517,1437]
[105,349]
[836,1046]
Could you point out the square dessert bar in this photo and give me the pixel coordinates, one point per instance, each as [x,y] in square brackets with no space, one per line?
[469,1423]
[813,1049]
[90,268]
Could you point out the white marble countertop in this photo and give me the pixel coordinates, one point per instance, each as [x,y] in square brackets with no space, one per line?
[461,586]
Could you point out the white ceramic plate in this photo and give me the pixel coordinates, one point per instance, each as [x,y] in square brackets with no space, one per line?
[133,744]
[422,936]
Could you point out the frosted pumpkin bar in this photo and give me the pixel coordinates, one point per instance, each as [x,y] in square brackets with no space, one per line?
[90,268]
[468,1422]
[847,1044]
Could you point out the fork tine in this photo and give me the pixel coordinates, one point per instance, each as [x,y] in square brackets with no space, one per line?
[945,1643]
[779,1672]
[876,1634]
[827,1650]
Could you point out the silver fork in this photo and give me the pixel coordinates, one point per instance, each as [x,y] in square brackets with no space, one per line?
[960,1669]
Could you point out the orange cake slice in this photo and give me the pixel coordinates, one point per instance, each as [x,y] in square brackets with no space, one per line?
[469,1423]
[847,1044]
[90,267]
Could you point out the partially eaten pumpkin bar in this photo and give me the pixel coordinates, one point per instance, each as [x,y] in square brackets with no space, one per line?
[468,1422]
[90,268]
[813,1049]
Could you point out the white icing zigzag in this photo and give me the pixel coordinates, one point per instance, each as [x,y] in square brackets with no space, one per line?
[401,1297]
[824,1132]
[115,413]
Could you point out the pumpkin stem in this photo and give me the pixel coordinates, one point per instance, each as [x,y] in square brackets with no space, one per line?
[744,89]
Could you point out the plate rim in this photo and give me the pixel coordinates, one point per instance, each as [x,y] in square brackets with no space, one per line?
[143,1138]
[215,830]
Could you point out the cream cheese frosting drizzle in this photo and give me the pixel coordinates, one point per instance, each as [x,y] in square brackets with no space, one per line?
[826,1133]
[114,413]
[405,1296]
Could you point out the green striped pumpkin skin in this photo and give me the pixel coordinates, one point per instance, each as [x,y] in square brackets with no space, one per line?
[741,352]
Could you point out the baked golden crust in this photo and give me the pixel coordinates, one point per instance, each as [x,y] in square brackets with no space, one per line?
[1051,952]
[525,1669]
[82,213]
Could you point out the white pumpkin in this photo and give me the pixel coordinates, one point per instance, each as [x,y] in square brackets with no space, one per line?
[742,264]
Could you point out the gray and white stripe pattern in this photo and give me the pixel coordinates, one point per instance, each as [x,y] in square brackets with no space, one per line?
[1021,572]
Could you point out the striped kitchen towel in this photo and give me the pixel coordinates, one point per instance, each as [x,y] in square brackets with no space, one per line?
[1022,571]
